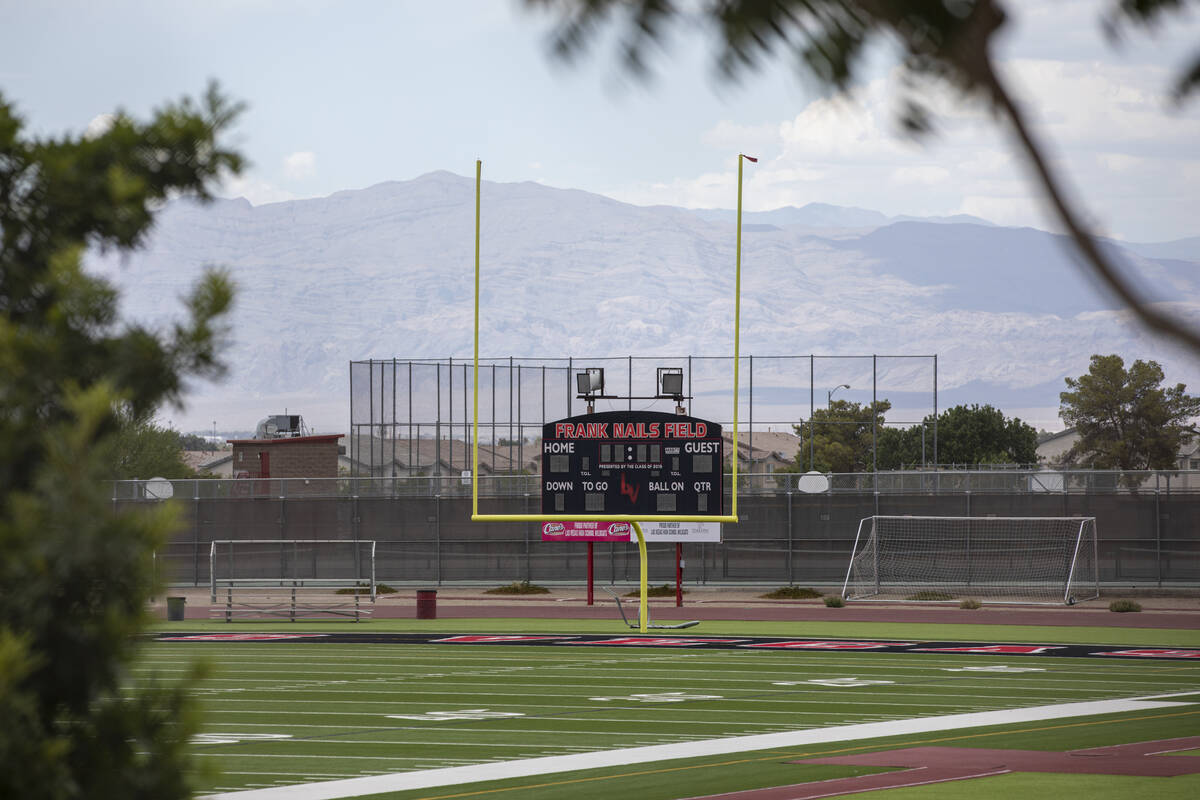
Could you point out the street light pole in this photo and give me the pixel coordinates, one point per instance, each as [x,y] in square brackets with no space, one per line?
[829,394]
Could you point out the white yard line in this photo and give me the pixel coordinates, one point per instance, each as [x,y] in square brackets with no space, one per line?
[450,776]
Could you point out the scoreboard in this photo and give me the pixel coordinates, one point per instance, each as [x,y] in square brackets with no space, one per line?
[641,463]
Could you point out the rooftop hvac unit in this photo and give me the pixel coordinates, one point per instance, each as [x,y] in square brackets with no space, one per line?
[280,426]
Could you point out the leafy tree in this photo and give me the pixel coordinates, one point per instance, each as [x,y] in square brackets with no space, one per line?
[1125,418]
[900,447]
[839,438]
[983,435]
[139,448]
[936,41]
[194,441]
[965,435]
[75,575]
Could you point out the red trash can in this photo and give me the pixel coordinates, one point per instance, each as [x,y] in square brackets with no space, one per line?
[426,603]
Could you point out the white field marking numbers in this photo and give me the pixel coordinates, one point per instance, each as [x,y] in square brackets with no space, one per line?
[993,668]
[466,713]
[234,738]
[835,682]
[661,697]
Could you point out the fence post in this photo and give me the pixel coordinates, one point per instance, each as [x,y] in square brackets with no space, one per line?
[528,526]
[437,533]
[791,575]
[1157,534]
[196,535]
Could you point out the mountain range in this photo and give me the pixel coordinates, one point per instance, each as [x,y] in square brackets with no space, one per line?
[387,271]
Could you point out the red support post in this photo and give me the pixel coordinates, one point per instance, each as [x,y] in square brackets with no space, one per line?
[590,598]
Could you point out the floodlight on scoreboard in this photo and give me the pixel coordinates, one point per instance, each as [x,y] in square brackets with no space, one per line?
[670,382]
[590,381]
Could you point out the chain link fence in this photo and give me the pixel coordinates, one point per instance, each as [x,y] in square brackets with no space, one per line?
[1147,524]
[412,417]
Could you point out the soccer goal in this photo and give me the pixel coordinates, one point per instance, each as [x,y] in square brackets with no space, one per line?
[292,579]
[1046,560]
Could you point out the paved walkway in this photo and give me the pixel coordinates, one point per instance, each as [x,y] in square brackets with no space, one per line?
[467,602]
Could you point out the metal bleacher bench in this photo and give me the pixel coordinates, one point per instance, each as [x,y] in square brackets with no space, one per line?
[290,599]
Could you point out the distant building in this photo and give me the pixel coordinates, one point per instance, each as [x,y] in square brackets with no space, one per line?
[1052,448]
[762,451]
[208,462]
[293,457]
[391,458]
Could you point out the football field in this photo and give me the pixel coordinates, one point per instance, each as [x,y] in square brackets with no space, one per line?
[287,713]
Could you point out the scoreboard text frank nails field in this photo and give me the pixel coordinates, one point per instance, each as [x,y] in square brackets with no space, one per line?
[632,462]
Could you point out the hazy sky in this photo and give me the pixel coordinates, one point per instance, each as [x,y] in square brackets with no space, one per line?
[343,95]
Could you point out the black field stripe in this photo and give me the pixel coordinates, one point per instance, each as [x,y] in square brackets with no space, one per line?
[700,642]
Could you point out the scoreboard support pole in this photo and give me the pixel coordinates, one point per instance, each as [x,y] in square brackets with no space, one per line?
[590,573]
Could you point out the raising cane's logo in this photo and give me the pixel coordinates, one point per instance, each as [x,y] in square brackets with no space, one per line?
[619,527]
[553,527]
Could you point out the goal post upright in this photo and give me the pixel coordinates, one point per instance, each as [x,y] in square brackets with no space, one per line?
[732,516]
[1079,543]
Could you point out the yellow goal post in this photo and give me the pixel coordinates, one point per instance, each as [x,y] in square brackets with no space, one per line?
[731,517]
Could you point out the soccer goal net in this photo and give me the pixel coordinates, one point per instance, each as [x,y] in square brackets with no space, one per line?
[997,559]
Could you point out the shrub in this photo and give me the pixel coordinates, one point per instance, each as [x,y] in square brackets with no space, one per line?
[1124,605]
[666,590]
[833,601]
[971,603]
[792,593]
[929,597]
[364,588]
[519,587]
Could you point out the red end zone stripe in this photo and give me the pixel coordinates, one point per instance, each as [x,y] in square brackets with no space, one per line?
[1146,653]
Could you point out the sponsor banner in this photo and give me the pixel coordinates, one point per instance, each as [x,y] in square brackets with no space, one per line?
[681,531]
[968,650]
[556,531]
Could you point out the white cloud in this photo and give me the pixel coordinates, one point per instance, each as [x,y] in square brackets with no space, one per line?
[99,126]
[300,165]
[927,174]
[755,140]
[1128,158]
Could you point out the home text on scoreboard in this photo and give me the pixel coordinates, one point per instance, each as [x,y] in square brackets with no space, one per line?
[641,463]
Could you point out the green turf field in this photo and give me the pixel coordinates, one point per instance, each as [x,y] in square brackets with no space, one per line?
[277,714]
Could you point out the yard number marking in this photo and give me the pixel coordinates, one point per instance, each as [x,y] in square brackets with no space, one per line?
[662,697]
[993,668]
[466,713]
[234,738]
[836,682]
